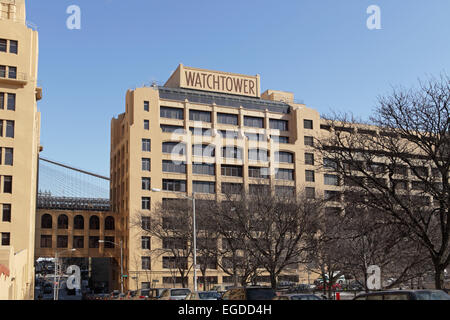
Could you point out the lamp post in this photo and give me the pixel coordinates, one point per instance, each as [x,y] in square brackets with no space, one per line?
[121,260]
[56,282]
[194,231]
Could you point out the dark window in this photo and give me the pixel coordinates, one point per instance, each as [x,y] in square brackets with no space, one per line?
[284,174]
[78,242]
[12,74]
[176,167]
[174,263]
[94,223]
[204,187]
[145,223]
[331,180]
[176,148]
[232,188]
[13,46]
[308,124]
[9,129]
[285,191]
[331,195]
[63,221]
[258,189]
[7,184]
[280,139]
[3,44]
[281,125]
[174,243]
[170,129]
[2,100]
[172,113]
[146,263]
[1,128]
[231,171]
[232,152]
[146,124]
[11,101]
[146,106]
[203,150]
[146,185]
[309,176]
[204,169]
[174,185]
[257,172]
[258,155]
[254,122]
[93,242]
[2,71]
[201,131]
[310,193]
[197,115]
[6,213]
[62,242]
[145,164]
[145,203]
[109,242]
[309,141]
[309,159]
[46,221]
[145,241]
[146,145]
[228,134]
[46,241]
[109,223]
[329,164]
[226,118]
[9,155]
[285,157]
[78,222]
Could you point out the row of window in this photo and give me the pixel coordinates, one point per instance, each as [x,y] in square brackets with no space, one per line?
[9,156]
[11,46]
[9,128]
[7,100]
[9,71]
[6,212]
[6,182]
[78,242]
[78,222]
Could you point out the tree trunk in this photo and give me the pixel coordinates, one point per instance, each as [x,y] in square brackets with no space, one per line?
[273,280]
[439,277]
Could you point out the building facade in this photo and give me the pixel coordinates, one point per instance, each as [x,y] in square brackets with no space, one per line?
[19,147]
[203,132]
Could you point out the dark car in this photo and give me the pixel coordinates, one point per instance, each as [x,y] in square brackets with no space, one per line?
[249,293]
[404,295]
[298,296]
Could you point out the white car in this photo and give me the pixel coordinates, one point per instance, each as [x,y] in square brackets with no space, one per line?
[175,294]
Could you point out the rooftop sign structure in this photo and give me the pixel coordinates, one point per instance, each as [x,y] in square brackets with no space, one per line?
[215,81]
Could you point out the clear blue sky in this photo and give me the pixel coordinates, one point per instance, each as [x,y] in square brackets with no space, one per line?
[319,49]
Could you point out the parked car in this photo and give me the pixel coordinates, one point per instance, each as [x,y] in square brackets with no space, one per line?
[298,296]
[149,294]
[204,295]
[174,294]
[114,295]
[131,294]
[249,293]
[404,295]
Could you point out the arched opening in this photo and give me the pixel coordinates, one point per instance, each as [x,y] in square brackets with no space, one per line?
[109,223]
[78,222]
[94,223]
[46,221]
[63,222]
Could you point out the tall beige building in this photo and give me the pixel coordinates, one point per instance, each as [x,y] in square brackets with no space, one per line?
[19,149]
[203,131]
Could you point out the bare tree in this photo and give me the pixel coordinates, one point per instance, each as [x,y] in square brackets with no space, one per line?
[400,163]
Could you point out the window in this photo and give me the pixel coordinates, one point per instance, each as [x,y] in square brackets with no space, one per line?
[146,124]
[280,139]
[2,71]
[281,125]
[232,152]
[7,184]
[175,148]
[109,243]
[8,156]
[63,222]
[12,74]
[9,129]
[62,242]
[331,195]
[94,223]
[171,113]
[171,129]
[174,185]
[205,132]
[204,169]
[176,167]
[226,118]
[11,105]
[146,106]
[146,183]
[197,115]
[145,243]
[78,222]
[228,134]
[310,193]
[309,176]
[259,173]
[145,223]
[308,124]
[174,263]
[3,45]
[46,241]
[13,46]
[6,216]
[146,263]
[258,189]
[2,100]
[309,141]
[285,191]
[204,187]
[232,188]
[204,150]
[231,171]
[93,242]
[146,145]
[145,164]
[329,164]
[46,221]
[254,122]
[109,223]
[174,243]
[284,174]
[309,159]
[331,180]
[1,128]
[145,203]
[285,157]
[258,155]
